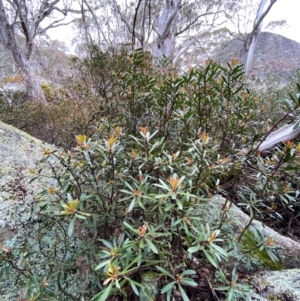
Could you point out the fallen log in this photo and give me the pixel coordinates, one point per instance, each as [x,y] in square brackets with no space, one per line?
[288,249]
[286,133]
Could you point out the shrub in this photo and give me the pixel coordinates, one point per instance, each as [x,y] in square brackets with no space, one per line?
[75,106]
[131,202]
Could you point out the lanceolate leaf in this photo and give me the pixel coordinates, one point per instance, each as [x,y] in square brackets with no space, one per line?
[151,245]
[210,259]
[71,226]
[167,287]
[183,293]
[104,294]
[194,249]
[164,271]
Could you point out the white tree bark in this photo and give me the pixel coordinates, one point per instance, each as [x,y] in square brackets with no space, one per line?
[286,133]
[8,39]
[162,23]
[251,40]
[20,17]
[165,43]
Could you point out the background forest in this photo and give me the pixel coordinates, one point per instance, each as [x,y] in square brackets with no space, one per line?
[158,184]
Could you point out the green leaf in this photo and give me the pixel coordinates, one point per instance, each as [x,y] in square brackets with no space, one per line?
[102,296]
[141,204]
[189,282]
[230,294]
[222,275]
[151,245]
[133,286]
[176,222]
[296,125]
[188,272]
[220,250]
[167,287]
[180,206]
[84,197]
[154,146]
[131,205]
[71,226]
[165,272]
[183,293]
[45,203]
[80,216]
[117,284]
[129,227]
[153,135]
[33,179]
[210,259]
[51,293]
[194,249]
[169,294]
[142,244]
[34,280]
[272,255]
[161,196]
[107,243]
[127,268]
[101,265]
[129,186]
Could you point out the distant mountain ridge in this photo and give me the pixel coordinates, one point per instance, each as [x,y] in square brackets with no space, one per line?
[273,54]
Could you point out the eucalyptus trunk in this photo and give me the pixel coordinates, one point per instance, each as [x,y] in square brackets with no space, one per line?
[165,42]
[8,40]
[252,38]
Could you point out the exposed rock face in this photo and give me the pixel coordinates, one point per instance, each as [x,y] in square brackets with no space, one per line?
[18,153]
[273,54]
[279,285]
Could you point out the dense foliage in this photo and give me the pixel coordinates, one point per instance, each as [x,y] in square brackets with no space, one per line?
[131,200]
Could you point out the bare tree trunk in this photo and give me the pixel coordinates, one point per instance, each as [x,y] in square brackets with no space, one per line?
[165,43]
[33,87]
[7,38]
[251,40]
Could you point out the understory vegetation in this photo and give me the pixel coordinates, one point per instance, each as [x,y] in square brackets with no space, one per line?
[140,151]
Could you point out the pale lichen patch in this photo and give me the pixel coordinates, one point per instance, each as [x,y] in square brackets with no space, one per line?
[19,152]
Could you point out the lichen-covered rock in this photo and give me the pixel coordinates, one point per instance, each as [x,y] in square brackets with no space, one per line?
[277,286]
[19,153]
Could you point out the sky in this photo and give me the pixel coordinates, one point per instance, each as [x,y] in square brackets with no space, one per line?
[288,10]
